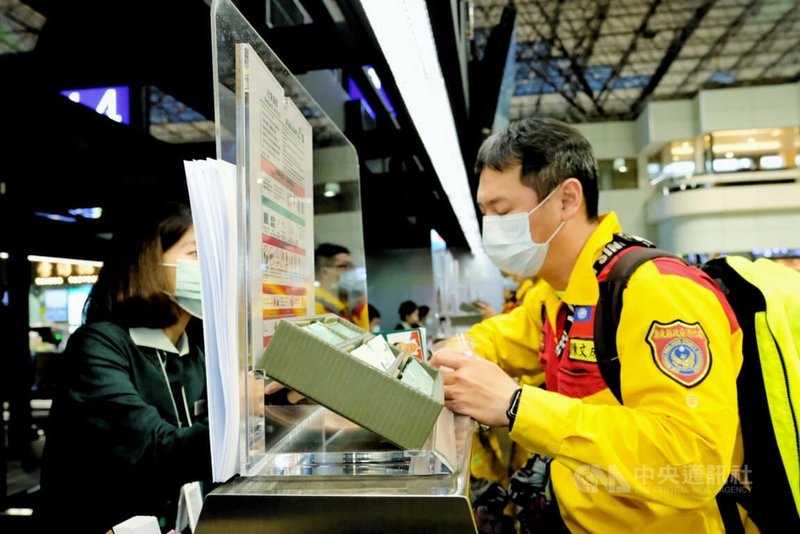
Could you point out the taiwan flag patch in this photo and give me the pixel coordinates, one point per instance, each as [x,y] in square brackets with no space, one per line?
[680,350]
[583,314]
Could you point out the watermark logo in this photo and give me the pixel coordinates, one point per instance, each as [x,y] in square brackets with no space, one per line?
[591,479]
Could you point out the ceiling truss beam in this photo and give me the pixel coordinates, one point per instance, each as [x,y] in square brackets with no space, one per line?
[674,49]
[611,81]
[746,13]
[768,37]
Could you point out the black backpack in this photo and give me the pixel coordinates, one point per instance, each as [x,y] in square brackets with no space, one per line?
[773,499]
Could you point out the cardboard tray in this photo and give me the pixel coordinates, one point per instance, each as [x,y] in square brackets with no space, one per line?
[331,376]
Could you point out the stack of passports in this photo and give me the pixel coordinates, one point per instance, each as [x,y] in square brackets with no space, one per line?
[415,376]
[338,365]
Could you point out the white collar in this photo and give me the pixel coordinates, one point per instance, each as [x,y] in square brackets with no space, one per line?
[155,338]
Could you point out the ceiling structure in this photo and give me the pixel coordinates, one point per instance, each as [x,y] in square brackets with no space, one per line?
[578,60]
[596,60]
[62,156]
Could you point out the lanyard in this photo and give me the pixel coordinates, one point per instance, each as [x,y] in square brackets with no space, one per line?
[570,309]
[163,363]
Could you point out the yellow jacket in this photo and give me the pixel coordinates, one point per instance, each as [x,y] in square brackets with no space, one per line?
[658,461]
[511,340]
[329,303]
[522,290]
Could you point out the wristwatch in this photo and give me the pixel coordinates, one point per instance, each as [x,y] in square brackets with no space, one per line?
[513,405]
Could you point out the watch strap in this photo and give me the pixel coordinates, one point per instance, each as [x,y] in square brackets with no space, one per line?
[513,405]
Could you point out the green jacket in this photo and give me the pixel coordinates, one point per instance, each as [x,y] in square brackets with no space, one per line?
[114,448]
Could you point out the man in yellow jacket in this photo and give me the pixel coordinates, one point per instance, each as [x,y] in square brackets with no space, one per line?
[339,291]
[658,461]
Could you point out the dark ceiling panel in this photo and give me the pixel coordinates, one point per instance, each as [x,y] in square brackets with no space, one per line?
[68,156]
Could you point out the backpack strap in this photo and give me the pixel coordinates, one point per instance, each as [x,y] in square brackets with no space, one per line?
[613,277]
[614,273]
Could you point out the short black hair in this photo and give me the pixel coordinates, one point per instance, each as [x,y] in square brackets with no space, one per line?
[406,308]
[372,312]
[325,253]
[423,311]
[549,151]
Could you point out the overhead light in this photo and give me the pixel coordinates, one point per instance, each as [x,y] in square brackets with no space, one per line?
[403,31]
[332,189]
[623,169]
[749,146]
[684,149]
[376,83]
[52,259]
[87,213]
[731,165]
[729,155]
[767,162]
[19,511]
[373,76]
[55,216]
[3,255]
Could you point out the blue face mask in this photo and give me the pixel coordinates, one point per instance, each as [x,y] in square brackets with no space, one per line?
[430,323]
[188,287]
[508,242]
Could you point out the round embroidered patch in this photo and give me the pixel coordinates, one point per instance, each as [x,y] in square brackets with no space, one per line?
[680,350]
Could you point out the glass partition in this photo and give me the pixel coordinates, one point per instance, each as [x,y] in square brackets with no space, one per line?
[294,161]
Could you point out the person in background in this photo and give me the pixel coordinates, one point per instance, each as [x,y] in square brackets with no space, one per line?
[677,417]
[339,291]
[374,318]
[409,315]
[498,471]
[514,290]
[509,295]
[425,318]
[128,426]
[524,284]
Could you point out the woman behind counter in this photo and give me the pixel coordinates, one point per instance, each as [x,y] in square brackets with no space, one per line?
[128,425]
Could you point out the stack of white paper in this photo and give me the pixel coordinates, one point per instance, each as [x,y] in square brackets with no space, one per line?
[212,193]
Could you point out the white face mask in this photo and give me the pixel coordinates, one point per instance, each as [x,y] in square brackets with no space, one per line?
[508,242]
[510,284]
[349,281]
[188,287]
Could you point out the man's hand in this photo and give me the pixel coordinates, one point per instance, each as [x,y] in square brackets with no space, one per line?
[475,387]
[486,310]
